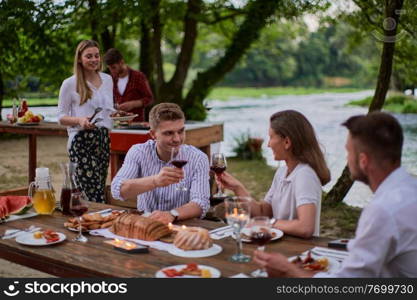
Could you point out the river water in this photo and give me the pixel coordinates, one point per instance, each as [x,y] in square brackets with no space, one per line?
[325,111]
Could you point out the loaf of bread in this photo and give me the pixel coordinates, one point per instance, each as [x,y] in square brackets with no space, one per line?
[138,227]
[193,238]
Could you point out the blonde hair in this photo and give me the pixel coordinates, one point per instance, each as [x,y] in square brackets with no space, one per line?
[305,147]
[165,112]
[82,87]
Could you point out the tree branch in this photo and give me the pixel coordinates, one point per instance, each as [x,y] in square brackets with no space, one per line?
[364,11]
[219,19]
[258,13]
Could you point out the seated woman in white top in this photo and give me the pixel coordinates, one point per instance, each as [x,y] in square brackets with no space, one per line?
[295,194]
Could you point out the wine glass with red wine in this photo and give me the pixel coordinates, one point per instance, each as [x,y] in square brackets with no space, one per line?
[260,234]
[78,207]
[218,165]
[178,160]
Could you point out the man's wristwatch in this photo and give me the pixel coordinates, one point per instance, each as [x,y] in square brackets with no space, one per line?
[175,214]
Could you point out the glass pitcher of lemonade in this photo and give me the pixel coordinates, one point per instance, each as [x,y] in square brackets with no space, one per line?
[42,193]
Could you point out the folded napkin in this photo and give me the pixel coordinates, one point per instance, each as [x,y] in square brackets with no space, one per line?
[14,233]
[105,232]
[222,232]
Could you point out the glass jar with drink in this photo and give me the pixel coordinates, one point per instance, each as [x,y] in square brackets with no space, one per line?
[68,186]
[42,192]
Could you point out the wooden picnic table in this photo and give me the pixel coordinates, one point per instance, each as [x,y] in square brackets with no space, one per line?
[97,259]
[198,134]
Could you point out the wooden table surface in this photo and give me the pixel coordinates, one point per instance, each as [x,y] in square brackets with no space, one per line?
[97,259]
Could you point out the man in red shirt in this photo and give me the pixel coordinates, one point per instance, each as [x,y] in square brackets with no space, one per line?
[131,89]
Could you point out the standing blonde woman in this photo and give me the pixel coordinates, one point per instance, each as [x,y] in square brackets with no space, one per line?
[294,197]
[88,142]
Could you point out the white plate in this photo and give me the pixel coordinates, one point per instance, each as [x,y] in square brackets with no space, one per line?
[246,231]
[213,250]
[334,265]
[28,214]
[215,273]
[29,240]
[124,118]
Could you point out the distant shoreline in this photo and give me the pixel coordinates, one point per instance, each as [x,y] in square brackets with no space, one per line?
[218,93]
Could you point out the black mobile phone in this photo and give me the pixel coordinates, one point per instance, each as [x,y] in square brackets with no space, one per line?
[341,243]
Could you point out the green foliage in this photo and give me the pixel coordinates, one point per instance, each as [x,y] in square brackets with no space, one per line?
[367,32]
[288,54]
[195,112]
[248,147]
[33,44]
[396,103]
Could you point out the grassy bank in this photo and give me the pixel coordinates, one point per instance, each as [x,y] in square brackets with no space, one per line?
[397,103]
[218,93]
[34,102]
[225,93]
[336,221]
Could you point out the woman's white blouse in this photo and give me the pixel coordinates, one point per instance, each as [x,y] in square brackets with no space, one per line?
[287,193]
[69,103]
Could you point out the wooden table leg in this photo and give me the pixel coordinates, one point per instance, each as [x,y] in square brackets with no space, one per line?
[32,157]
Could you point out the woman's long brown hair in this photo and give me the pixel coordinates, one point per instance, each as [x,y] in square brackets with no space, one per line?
[305,147]
[82,87]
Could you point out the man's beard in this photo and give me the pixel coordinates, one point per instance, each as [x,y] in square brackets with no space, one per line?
[358,174]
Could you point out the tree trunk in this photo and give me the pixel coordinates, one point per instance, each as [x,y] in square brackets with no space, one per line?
[258,13]
[146,57]
[92,4]
[343,184]
[391,11]
[172,91]
[156,46]
[107,40]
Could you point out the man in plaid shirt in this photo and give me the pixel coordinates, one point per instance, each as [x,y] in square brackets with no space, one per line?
[131,89]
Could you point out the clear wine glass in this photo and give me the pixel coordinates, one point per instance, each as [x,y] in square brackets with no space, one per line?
[78,206]
[238,215]
[218,165]
[260,234]
[178,160]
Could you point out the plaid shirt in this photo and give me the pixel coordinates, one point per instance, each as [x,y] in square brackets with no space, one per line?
[137,88]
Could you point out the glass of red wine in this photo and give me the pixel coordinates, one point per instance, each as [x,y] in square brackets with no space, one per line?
[218,165]
[178,160]
[260,234]
[78,206]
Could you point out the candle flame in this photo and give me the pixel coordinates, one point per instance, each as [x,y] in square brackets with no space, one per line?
[129,245]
